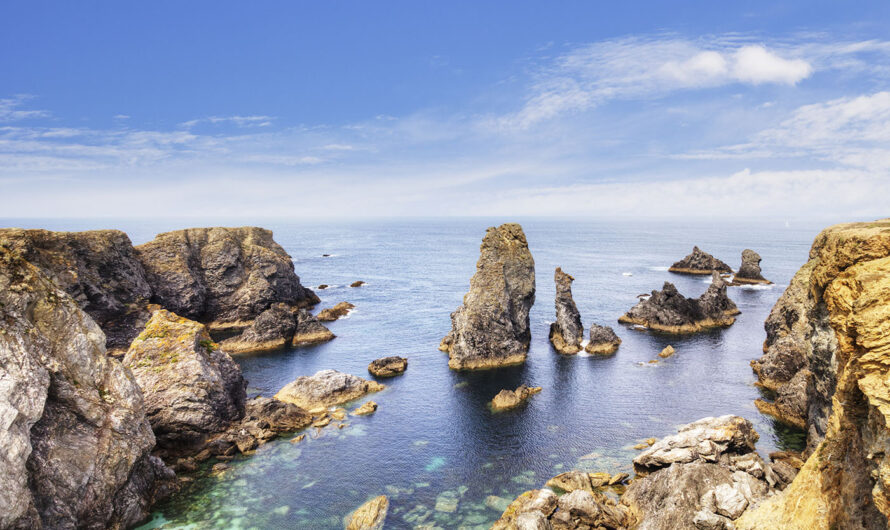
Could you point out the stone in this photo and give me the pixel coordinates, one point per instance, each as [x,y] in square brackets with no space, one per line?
[671,312]
[447,502]
[749,271]
[326,388]
[594,510]
[570,481]
[388,366]
[666,352]
[367,408]
[266,418]
[508,399]
[369,516]
[335,313]
[542,502]
[567,332]
[699,262]
[322,287]
[603,340]
[273,329]
[357,283]
[309,330]
[618,478]
[491,328]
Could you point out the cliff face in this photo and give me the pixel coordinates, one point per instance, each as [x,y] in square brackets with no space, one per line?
[75,438]
[831,332]
[491,328]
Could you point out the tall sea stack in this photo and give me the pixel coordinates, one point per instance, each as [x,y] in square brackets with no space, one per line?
[567,332]
[491,328]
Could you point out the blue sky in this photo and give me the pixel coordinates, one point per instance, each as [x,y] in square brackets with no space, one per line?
[319,109]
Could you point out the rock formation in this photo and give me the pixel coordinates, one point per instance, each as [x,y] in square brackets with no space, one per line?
[749,272]
[326,388]
[277,327]
[671,312]
[388,366]
[508,399]
[491,328]
[335,313]
[357,283]
[700,262]
[666,352]
[828,339]
[369,516]
[368,407]
[603,340]
[98,269]
[75,438]
[223,277]
[310,330]
[567,332]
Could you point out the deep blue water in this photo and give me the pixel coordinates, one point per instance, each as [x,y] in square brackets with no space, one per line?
[433,435]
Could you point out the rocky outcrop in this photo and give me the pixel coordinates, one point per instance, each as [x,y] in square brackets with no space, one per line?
[369,407]
[603,340]
[98,269]
[491,328]
[326,388]
[335,313]
[309,330]
[666,352]
[749,272]
[277,327]
[388,366]
[671,312]
[829,336]
[369,516]
[357,283]
[508,399]
[223,277]
[700,262]
[567,332]
[75,438]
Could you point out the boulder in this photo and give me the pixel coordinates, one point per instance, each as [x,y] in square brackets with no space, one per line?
[567,332]
[357,283]
[749,272]
[335,313]
[326,388]
[508,399]
[666,352]
[491,328]
[671,312]
[277,327]
[388,366]
[367,408]
[309,330]
[570,481]
[369,516]
[699,262]
[603,340]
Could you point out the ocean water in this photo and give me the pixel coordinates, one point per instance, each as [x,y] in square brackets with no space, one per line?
[433,446]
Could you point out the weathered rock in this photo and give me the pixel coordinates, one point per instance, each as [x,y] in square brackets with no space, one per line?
[326,388]
[388,366]
[567,332]
[223,277]
[508,399]
[570,481]
[192,389]
[76,442]
[98,269]
[369,516]
[357,283]
[335,313]
[603,340]
[699,262]
[749,272]
[491,328]
[274,328]
[367,408]
[666,352]
[535,502]
[583,508]
[671,312]
[309,330]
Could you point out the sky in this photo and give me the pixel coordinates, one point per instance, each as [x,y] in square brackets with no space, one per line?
[420,108]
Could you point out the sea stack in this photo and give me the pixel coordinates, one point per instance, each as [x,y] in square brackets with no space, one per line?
[491,328]
[749,272]
[603,340]
[567,332]
[699,262]
[671,312]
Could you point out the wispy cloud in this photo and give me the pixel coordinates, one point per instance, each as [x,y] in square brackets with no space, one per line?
[239,121]
[10,110]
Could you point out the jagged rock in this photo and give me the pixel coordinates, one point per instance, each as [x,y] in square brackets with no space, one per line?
[335,313]
[223,277]
[326,388]
[277,327]
[666,352]
[309,330]
[367,408]
[508,399]
[75,438]
[388,366]
[603,340]
[570,481]
[535,502]
[581,507]
[192,389]
[369,516]
[669,311]
[98,269]
[567,332]
[491,328]
[749,272]
[699,262]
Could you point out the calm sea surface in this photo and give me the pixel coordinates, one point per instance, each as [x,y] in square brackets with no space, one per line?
[433,440]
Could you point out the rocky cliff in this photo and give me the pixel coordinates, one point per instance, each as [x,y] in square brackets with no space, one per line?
[491,328]
[828,354]
[567,332]
[671,312]
[699,262]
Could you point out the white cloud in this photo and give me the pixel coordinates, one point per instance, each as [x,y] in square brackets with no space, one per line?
[10,111]
[756,65]
[240,121]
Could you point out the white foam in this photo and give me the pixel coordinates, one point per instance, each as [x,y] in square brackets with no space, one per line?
[659,269]
[627,274]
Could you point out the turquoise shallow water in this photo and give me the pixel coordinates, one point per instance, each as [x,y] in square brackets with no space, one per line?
[433,445]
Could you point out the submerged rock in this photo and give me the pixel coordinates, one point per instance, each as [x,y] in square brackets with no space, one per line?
[671,312]
[603,340]
[326,388]
[388,366]
[567,332]
[491,328]
[369,516]
[335,313]
[508,399]
[700,262]
[749,272]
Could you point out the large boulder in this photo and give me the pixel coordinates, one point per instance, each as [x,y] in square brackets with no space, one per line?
[335,313]
[76,442]
[491,328]
[369,516]
[749,271]
[388,366]
[603,340]
[99,269]
[699,262]
[671,312]
[326,388]
[508,399]
[223,277]
[567,332]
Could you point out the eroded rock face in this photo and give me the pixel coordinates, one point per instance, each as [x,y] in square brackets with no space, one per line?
[98,269]
[508,399]
[749,271]
[567,332]
[310,330]
[699,262]
[223,277]
[335,313]
[671,312]
[277,327]
[326,388]
[603,340]
[491,328]
[388,366]
[75,438]
[369,516]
